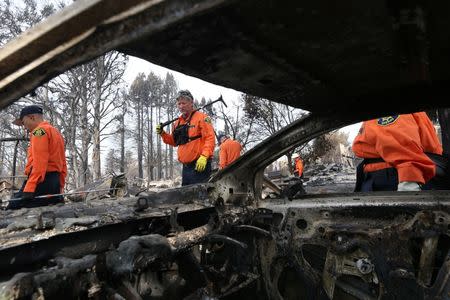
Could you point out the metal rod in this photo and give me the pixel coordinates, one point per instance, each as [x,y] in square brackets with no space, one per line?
[13,139]
[62,194]
[206,105]
[252,228]
[17,176]
[226,239]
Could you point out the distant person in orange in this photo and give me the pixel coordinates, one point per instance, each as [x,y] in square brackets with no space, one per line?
[230,150]
[193,134]
[395,151]
[46,162]
[298,165]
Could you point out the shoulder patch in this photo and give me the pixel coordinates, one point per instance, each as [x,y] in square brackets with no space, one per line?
[387,120]
[208,120]
[39,132]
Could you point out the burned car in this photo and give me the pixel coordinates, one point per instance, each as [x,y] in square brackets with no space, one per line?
[344,62]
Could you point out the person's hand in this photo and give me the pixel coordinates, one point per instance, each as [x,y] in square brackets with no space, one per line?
[408,186]
[201,163]
[26,196]
[159,128]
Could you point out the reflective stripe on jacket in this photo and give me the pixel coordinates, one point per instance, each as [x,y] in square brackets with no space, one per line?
[401,141]
[230,150]
[45,154]
[200,125]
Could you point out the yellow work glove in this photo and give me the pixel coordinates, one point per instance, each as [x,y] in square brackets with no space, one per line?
[159,128]
[201,163]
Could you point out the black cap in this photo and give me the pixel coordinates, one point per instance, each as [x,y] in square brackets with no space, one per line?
[220,136]
[28,110]
[185,94]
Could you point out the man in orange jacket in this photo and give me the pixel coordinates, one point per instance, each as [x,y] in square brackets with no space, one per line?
[298,165]
[46,161]
[193,134]
[230,150]
[395,150]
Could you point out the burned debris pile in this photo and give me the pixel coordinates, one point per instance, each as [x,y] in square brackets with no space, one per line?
[326,178]
[317,179]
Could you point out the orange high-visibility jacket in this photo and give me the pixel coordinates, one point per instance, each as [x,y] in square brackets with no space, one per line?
[230,150]
[200,125]
[45,154]
[400,141]
[299,166]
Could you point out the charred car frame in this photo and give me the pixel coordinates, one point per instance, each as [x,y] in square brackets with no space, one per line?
[222,239]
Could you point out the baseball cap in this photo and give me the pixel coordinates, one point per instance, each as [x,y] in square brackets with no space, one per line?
[220,136]
[27,110]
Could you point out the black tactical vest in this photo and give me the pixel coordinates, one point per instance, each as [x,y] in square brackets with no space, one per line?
[181,133]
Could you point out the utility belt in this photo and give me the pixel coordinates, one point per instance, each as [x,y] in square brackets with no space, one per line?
[440,161]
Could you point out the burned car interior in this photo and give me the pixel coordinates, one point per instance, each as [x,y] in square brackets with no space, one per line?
[344,62]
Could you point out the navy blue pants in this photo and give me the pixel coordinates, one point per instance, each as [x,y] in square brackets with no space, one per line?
[50,185]
[387,180]
[190,176]
[381,180]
